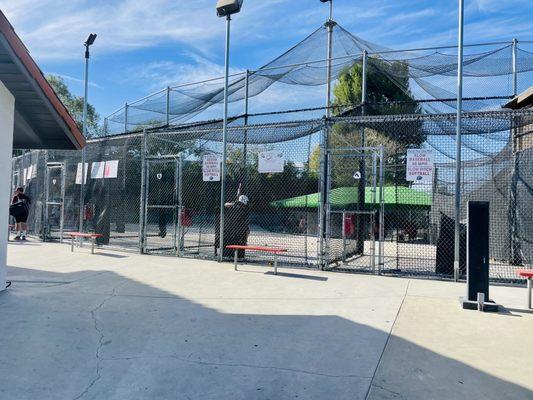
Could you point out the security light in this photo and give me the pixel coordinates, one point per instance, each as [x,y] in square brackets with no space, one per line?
[90,40]
[228,7]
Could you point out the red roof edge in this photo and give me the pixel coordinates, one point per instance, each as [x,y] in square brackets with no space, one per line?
[22,53]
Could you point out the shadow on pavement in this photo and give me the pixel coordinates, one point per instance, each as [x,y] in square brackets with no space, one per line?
[109,337]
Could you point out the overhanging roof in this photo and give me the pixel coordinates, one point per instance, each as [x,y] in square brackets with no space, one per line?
[523,100]
[41,119]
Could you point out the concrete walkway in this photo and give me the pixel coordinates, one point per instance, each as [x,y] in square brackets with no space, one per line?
[123,326]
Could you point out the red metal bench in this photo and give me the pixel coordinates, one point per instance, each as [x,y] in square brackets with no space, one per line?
[528,274]
[82,235]
[264,249]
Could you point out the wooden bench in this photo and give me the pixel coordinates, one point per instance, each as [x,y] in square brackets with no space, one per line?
[82,235]
[264,249]
[528,274]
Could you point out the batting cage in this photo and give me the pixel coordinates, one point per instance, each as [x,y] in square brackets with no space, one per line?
[366,184]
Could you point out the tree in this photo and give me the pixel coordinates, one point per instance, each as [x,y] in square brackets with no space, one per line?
[387,93]
[74,105]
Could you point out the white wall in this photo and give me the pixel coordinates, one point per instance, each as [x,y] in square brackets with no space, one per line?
[7,112]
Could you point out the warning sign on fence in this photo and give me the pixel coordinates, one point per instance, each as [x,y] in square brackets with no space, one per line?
[79,173]
[211,168]
[420,164]
[271,162]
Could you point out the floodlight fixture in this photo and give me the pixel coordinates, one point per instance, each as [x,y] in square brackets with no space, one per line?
[225,8]
[90,40]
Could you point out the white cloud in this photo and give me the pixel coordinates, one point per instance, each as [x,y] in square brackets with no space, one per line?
[56,29]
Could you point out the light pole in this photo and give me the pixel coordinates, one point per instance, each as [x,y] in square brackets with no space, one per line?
[225,8]
[457,236]
[323,209]
[90,40]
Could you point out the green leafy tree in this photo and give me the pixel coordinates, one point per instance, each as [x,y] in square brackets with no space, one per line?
[74,105]
[387,93]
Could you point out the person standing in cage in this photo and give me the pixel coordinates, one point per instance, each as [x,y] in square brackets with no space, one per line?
[20,209]
[236,225]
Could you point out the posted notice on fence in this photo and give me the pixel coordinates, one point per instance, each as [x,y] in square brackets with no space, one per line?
[97,170]
[79,173]
[211,168]
[420,164]
[111,169]
[271,162]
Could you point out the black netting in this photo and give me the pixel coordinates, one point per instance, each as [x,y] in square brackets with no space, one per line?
[429,73]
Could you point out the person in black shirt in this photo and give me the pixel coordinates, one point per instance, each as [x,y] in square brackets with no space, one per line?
[20,206]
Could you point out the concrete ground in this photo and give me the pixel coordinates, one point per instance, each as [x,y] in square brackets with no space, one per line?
[123,326]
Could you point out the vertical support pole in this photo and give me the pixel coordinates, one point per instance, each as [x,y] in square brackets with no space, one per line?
[457,241]
[245,149]
[178,229]
[126,118]
[63,190]
[167,112]
[324,195]
[361,192]
[142,197]
[224,143]
[374,203]
[344,236]
[106,126]
[83,155]
[382,210]
[515,66]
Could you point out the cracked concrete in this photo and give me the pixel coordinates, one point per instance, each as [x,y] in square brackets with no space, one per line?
[139,327]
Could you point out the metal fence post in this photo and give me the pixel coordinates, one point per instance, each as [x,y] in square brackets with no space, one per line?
[515,66]
[126,118]
[323,207]
[167,113]
[106,127]
[457,238]
[224,143]
[143,194]
[180,232]
[361,192]
[382,210]
[245,148]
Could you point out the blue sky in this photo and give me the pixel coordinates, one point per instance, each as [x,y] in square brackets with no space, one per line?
[144,45]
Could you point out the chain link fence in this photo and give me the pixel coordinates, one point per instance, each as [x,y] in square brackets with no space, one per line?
[335,193]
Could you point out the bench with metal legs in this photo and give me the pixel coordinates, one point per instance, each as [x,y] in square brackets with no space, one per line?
[528,275]
[82,235]
[263,249]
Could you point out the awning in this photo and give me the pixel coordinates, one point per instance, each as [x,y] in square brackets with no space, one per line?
[346,197]
[41,120]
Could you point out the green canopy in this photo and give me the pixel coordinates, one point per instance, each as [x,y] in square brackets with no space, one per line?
[347,196]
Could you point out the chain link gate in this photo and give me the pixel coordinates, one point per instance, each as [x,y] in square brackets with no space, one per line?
[160,223]
[54,201]
[355,209]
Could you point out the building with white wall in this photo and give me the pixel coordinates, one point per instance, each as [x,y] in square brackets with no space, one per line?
[31,117]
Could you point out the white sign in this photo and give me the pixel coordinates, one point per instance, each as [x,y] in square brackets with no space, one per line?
[79,173]
[97,170]
[29,173]
[420,164]
[211,168]
[357,175]
[111,169]
[33,174]
[271,162]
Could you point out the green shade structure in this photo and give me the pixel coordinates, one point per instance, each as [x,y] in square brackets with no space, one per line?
[344,197]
